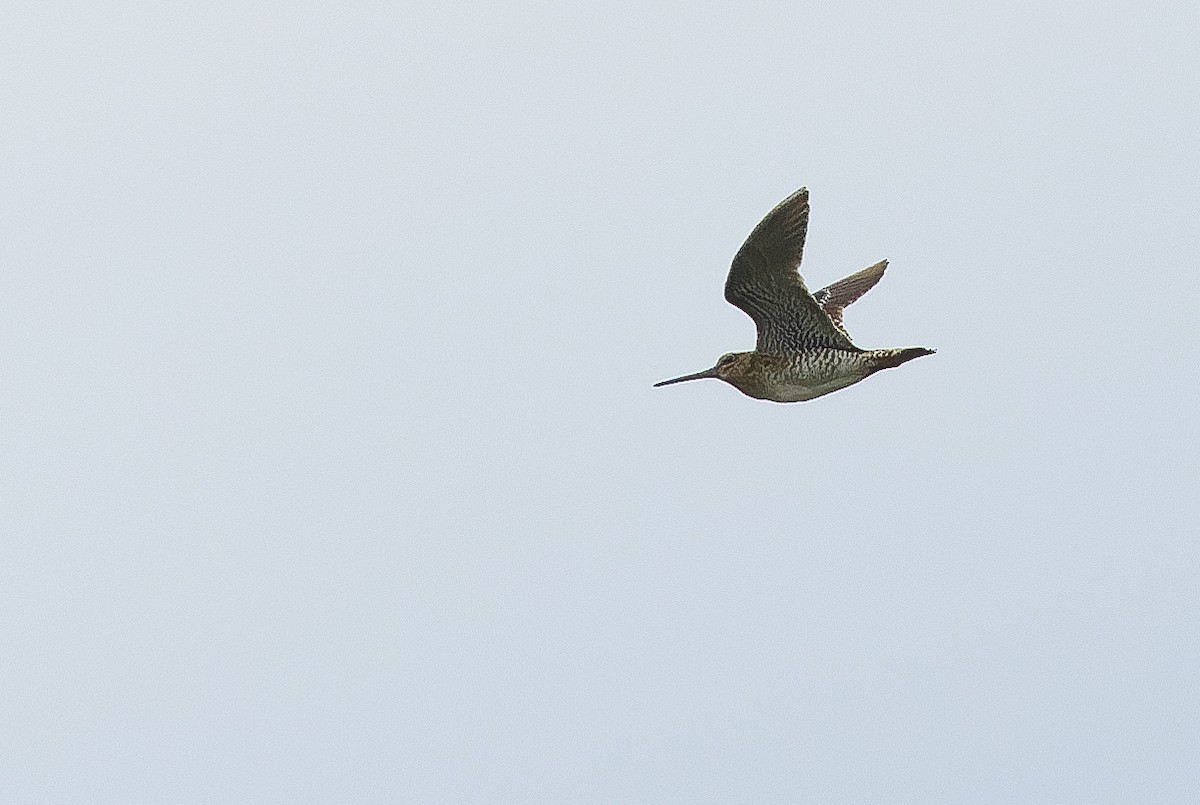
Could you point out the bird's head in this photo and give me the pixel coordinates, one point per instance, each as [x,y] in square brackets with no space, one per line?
[729,367]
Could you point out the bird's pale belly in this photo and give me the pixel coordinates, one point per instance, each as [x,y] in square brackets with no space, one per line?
[801,390]
[812,376]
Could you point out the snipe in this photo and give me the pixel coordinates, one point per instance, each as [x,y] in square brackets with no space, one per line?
[803,351]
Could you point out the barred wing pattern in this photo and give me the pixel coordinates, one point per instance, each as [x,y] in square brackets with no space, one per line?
[765,283]
[835,298]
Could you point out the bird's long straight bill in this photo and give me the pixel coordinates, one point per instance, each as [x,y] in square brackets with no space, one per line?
[696,376]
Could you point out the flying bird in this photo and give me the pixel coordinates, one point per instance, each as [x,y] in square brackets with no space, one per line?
[803,350]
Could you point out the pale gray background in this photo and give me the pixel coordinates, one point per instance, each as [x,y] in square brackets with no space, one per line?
[332,470]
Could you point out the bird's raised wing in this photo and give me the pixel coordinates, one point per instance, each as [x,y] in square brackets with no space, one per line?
[765,282]
[835,298]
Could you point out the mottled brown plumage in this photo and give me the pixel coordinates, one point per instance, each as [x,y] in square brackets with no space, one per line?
[803,350]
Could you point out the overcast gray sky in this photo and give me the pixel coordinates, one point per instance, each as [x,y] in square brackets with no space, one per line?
[332,470]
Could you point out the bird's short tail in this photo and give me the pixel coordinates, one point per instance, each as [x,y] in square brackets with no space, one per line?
[891,358]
